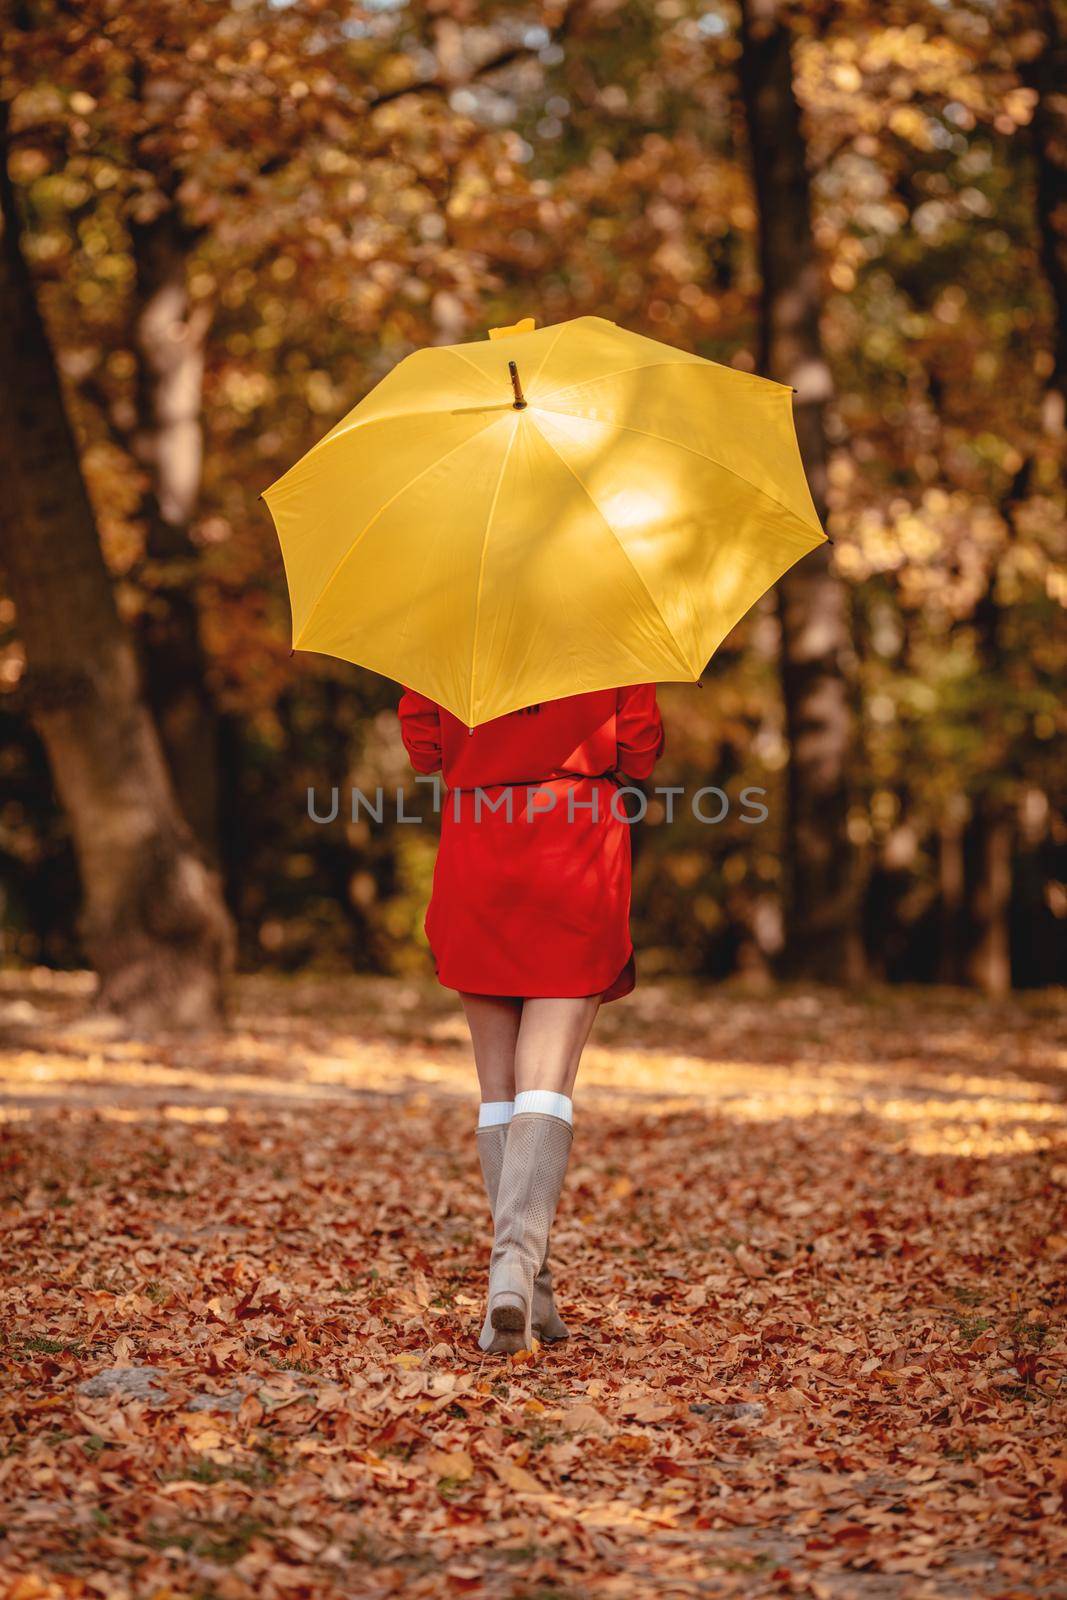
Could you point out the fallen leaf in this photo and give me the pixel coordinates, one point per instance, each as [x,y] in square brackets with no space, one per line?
[450,1464]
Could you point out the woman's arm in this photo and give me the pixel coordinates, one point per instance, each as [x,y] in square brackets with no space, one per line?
[420,729]
[638,729]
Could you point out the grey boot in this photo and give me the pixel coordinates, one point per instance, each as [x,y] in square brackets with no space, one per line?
[535,1165]
[546,1321]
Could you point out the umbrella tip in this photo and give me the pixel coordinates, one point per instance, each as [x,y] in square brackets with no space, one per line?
[519,403]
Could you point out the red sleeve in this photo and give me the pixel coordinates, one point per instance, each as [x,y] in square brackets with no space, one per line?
[638,729]
[420,729]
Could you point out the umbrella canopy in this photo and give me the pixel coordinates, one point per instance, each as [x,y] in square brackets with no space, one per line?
[541,513]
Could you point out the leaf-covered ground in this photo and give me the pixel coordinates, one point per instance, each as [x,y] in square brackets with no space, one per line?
[811,1250]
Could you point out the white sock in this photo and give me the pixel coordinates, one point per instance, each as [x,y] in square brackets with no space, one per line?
[495,1113]
[547,1103]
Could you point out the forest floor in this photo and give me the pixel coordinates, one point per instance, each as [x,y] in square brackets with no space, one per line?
[811,1251]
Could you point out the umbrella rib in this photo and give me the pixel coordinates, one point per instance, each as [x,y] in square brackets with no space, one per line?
[481,566]
[451,349]
[678,444]
[467,362]
[640,366]
[342,433]
[383,508]
[637,573]
[541,365]
[350,423]
[392,416]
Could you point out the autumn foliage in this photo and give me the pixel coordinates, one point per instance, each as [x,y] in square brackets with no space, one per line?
[238,217]
[812,1247]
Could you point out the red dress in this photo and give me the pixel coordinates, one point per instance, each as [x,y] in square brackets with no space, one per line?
[531,891]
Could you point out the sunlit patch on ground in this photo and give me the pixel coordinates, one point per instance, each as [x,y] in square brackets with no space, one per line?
[811,1250]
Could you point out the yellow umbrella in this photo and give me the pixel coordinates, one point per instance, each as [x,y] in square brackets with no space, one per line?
[541,513]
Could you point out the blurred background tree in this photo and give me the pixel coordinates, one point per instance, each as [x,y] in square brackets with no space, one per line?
[237,217]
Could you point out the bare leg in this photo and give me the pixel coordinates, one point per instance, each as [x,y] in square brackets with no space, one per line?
[551,1038]
[494,1024]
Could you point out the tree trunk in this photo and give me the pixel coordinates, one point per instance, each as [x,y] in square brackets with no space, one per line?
[991,849]
[1046,73]
[822,940]
[991,837]
[154,924]
[170,335]
[952,884]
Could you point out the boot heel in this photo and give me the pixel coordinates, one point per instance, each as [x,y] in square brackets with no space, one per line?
[508,1313]
[505,1344]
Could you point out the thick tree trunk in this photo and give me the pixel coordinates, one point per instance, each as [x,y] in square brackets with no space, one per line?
[991,834]
[822,938]
[170,335]
[153,923]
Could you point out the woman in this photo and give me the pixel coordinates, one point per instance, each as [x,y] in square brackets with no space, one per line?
[529,921]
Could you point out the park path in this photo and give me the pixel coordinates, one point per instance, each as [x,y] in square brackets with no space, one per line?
[811,1251]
